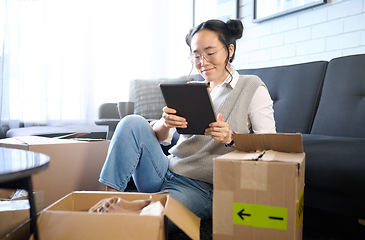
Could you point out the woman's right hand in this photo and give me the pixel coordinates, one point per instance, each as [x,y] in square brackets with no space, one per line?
[171,120]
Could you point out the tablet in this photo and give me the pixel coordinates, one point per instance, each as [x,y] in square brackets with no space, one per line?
[191,101]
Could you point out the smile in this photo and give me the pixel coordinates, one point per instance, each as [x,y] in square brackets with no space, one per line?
[204,70]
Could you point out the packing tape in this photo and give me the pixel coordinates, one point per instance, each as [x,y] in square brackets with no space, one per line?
[254,175]
[257,215]
[222,223]
[300,208]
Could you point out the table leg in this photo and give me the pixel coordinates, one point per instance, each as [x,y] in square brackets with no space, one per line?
[26,184]
[32,209]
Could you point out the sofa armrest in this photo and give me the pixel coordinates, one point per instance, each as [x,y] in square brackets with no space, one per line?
[111,113]
[111,123]
[125,108]
[108,122]
[108,111]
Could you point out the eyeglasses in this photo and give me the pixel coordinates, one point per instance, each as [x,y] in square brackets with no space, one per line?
[209,56]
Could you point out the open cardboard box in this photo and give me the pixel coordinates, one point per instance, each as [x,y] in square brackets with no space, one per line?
[69,219]
[74,164]
[14,212]
[259,188]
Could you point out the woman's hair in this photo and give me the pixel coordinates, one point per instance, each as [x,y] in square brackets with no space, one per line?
[227,33]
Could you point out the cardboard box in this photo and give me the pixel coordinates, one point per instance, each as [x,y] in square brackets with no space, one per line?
[74,165]
[14,213]
[259,188]
[69,219]
[21,232]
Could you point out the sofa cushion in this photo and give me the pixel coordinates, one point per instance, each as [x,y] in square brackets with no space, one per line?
[147,96]
[295,90]
[341,111]
[2,133]
[335,166]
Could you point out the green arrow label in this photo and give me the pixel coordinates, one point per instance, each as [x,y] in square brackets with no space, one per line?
[257,215]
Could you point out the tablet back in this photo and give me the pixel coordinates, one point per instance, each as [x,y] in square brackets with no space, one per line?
[191,101]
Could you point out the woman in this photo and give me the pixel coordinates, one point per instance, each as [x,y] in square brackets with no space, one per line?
[243,103]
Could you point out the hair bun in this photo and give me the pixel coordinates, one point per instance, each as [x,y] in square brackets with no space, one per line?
[236,28]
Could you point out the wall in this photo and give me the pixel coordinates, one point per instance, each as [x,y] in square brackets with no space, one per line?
[334,29]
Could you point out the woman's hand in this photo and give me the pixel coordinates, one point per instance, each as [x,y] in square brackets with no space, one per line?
[168,120]
[219,130]
[171,120]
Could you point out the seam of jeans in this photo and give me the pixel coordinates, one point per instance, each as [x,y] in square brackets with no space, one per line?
[143,147]
[129,175]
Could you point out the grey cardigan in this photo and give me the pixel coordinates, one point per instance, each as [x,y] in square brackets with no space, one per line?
[194,157]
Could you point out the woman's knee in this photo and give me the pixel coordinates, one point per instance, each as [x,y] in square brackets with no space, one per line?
[131,122]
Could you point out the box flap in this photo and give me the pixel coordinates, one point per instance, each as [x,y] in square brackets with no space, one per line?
[238,156]
[34,140]
[282,142]
[270,155]
[267,155]
[187,221]
[11,142]
[73,135]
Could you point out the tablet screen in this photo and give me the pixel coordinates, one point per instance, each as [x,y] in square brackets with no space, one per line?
[191,101]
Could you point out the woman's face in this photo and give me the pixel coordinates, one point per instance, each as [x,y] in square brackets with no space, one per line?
[209,56]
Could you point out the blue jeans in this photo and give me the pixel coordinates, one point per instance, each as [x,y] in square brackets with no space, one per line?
[135,151]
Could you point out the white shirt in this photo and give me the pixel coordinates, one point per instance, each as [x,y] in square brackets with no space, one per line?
[260,111]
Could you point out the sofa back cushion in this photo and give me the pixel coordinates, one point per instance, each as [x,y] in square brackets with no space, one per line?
[341,110]
[147,96]
[295,90]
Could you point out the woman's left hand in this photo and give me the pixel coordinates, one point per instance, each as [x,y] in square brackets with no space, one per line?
[219,130]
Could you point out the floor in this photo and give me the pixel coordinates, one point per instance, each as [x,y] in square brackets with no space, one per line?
[316,226]
[320,225]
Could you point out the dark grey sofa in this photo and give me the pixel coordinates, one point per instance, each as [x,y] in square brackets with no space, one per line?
[325,101]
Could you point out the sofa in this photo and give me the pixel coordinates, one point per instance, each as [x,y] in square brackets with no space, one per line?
[322,100]
[325,102]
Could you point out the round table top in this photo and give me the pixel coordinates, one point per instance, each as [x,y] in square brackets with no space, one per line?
[16,163]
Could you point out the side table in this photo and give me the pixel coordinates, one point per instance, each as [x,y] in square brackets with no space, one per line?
[16,169]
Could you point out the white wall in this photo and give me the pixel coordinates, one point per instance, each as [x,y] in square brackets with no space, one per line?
[334,29]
